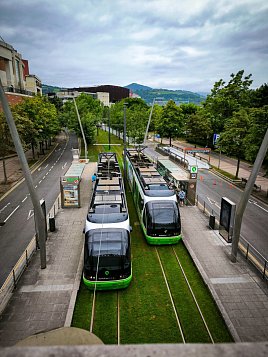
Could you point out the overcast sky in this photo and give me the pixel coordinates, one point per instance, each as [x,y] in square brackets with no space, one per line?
[172,44]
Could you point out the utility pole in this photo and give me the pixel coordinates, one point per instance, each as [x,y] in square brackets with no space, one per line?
[82,131]
[244,199]
[38,213]
[109,132]
[125,148]
[148,124]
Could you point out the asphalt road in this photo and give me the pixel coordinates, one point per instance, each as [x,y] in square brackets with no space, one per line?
[16,209]
[211,188]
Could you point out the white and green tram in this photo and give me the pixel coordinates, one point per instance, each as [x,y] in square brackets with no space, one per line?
[155,201]
[107,251]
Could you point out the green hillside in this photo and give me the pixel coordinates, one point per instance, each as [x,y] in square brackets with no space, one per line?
[50,89]
[163,95]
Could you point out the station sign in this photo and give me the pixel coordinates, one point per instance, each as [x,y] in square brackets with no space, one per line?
[193,169]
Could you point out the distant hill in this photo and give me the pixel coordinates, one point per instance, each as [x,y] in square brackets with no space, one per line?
[136,87]
[162,96]
[50,89]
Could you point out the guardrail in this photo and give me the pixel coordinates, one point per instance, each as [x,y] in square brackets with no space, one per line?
[11,281]
[247,250]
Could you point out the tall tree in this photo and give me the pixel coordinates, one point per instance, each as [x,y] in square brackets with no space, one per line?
[258,118]
[225,99]
[171,124]
[232,140]
[198,127]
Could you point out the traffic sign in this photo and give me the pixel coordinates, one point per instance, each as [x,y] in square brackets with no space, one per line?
[215,138]
[193,169]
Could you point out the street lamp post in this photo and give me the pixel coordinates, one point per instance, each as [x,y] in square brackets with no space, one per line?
[82,131]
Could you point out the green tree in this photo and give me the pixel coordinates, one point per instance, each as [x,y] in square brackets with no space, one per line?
[171,124]
[137,118]
[90,112]
[233,139]
[198,127]
[226,99]
[258,118]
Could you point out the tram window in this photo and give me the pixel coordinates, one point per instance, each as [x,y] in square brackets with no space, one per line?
[144,218]
[140,201]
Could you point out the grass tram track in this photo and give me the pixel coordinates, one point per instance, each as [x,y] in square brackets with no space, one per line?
[144,312]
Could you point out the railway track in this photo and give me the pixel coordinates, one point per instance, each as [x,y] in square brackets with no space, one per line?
[92,313]
[180,317]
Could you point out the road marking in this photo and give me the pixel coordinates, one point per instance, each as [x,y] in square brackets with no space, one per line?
[212,202]
[24,199]
[1,210]
[35,186]
[63,167]
[12,213]
[39,183]
[46,166]
[46,173]
[44,177]
[49,170]
[256,204]
[30,214]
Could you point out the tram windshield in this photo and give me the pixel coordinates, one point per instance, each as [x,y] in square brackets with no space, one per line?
[107,249]
[163,218]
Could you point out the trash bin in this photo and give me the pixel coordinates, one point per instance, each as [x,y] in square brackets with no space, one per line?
[212,222]
[52,225]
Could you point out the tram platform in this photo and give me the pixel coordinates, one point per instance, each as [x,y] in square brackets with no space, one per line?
[44,299]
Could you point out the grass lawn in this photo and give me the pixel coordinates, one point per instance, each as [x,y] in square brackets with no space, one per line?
[146,313]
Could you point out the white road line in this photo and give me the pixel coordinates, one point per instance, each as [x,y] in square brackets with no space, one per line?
[46,173]
[49,170]
[44,177]
[40,182]
[2,209]
[35,186]
[30,214]
[24,199]
[11,213]
[46,166]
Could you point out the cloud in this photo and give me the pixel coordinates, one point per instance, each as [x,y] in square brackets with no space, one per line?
[163,43]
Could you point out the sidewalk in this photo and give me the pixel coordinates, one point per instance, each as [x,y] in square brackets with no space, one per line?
[44,299]
[239,292]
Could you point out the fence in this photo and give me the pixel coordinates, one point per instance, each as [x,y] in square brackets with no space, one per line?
[248,251]
[11,281]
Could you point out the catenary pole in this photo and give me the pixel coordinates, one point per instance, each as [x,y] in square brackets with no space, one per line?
[148,124]
[109,132]
[125,148]
[244,199]
[82,131]
[38,213]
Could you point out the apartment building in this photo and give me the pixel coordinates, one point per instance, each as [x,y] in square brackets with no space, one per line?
[15,77]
